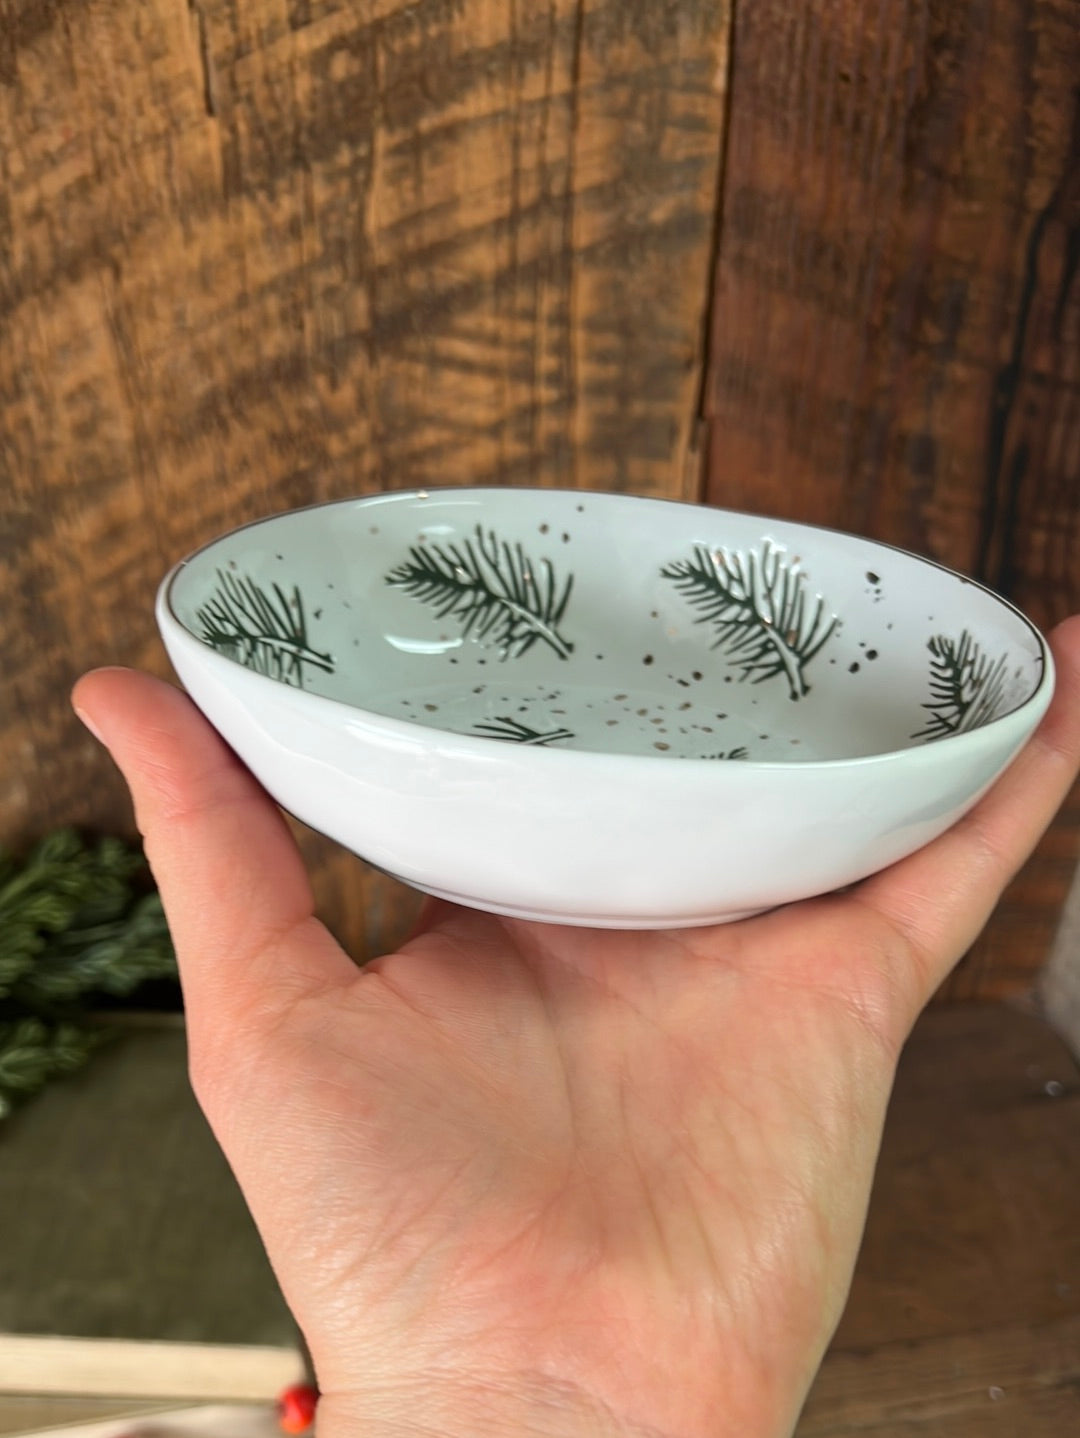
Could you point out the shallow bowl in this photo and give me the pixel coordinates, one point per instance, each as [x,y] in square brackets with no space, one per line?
[598,709]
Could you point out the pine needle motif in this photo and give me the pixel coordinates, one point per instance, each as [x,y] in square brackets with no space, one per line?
[737,753]
[267,633]
[759,609]
[493,589]
[966,687]
[514,733]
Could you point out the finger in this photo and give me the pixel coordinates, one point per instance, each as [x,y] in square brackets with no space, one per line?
[232,882]
[940,898]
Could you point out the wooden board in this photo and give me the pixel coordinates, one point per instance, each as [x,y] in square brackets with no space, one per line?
[255,253]
[259,254]
[47,1418]
[896,320]
[964,1314]
[23,1415]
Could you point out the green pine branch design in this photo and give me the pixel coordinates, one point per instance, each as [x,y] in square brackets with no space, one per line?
[493,589]
[759,610]
[512,732]
[966,687]
[263,631]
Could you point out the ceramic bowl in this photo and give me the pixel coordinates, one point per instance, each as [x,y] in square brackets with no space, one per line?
[598,709]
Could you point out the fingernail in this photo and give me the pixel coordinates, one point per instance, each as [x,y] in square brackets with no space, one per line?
[84,718]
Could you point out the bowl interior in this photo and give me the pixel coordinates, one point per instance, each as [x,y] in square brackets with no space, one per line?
[604,622]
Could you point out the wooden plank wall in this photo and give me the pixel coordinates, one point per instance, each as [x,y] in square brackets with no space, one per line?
[896,319]
[257,253]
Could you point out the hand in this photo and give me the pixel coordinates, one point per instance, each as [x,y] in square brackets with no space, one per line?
[524,1179]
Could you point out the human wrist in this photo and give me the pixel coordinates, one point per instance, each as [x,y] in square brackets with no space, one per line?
[440,1406]
[516,1406]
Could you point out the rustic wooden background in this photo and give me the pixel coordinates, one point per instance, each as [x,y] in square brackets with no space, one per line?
[818,260]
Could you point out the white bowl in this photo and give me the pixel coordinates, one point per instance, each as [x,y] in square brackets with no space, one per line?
[598,709]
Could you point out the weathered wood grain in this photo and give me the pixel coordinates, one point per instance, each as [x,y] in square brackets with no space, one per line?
[964,1314]
[259,253]
[896,319]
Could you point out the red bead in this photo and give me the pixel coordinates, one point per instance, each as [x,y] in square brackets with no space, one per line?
[296,1408]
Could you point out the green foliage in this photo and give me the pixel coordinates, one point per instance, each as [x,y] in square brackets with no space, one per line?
[75,924]
[264,631]
[492,588]
[32,1051]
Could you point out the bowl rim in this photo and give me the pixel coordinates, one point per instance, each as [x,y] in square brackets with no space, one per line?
[950,743]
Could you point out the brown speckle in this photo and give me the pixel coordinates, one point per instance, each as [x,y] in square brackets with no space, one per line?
[660,744]
[648,659]
[853,668]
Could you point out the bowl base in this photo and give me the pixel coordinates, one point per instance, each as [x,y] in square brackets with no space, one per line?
[582,921]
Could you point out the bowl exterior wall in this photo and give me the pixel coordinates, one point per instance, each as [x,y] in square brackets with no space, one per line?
[601,840]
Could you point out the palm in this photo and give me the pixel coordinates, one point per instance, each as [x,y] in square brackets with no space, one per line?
[632,1166]
[588,1140]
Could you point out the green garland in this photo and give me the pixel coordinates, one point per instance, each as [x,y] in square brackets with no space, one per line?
[76,924]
